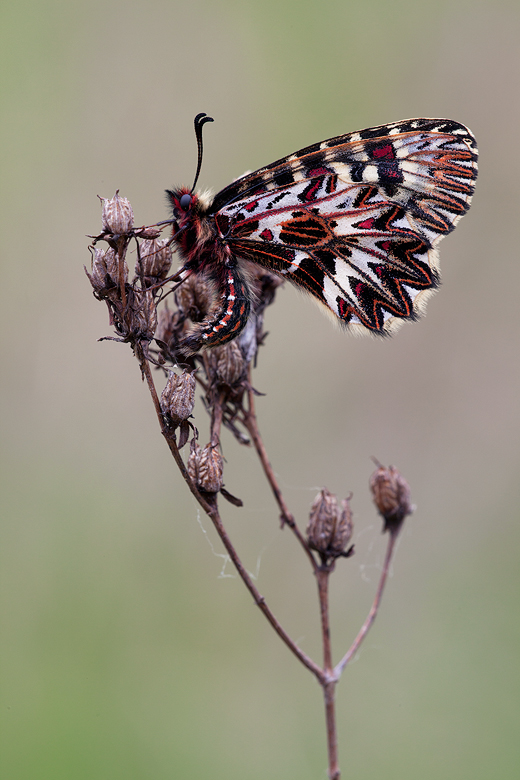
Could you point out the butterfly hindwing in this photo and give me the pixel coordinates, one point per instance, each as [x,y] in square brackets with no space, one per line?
[354,220]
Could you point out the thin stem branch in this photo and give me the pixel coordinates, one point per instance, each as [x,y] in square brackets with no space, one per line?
[251,425]
[147,374]
[121,252]
[365,628]
[323,573]
[332,741]
[211,509]
[260,602]
[322,576]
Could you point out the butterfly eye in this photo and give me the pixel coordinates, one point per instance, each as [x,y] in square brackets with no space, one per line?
[185,201]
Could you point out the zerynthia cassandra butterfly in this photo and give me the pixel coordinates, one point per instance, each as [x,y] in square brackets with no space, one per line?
[354,221]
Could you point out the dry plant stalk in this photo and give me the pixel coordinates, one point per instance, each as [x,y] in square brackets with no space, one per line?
[156,336]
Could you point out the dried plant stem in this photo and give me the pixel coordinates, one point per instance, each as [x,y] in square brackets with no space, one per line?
[250,422]
[147,374]
[121,253]
[322,576]
[329,688]
[211,509]
[365,628]
[327,676]
[260,601]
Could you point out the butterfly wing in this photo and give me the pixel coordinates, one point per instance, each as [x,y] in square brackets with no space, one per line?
[355,220]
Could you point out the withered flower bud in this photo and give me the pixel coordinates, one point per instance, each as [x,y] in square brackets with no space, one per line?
[205,467]
[105,270]
[345,527]
[225,364]
[144,321]
[155,260]
[329,530]
[263,285]
[195,297]
[391,494]
[248,339]
[117,215]
[178,396]
[166,325]
[193,461]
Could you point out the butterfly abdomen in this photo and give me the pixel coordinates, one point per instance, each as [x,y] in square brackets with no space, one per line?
[205,253]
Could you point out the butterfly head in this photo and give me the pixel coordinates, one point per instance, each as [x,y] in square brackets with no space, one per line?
[189,222]
[187,205]
[182,203]
[185,208]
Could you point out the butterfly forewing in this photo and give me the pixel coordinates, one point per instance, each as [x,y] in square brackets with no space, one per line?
[354,220]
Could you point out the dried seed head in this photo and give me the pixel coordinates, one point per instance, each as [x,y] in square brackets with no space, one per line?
[117,215]
[248,339]
[99,270]
[155,260]
[193,461]
[329,530]
[263,285]
[167,325]
[205,467]
[178,396]
[391,494]
[105,270]
[344,528]
[195,297]
[144,320]
[225,364]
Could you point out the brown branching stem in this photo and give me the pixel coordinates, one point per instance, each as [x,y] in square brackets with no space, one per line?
[322,575]
[121,252]
[327,676]
[210,507]
[365,628]
[329,690]
[250,422]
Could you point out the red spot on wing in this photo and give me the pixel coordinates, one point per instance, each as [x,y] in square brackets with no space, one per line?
[266,235]
[342,306]
[345,309]
[367,224]
[311,192]
[384,152]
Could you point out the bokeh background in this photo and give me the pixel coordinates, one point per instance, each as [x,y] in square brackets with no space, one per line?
[129,648]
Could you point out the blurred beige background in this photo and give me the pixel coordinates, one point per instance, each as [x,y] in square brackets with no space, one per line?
[125,652]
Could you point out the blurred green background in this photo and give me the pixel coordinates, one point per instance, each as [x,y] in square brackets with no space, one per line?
[128,649]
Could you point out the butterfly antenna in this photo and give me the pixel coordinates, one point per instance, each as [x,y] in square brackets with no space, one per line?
[199,122]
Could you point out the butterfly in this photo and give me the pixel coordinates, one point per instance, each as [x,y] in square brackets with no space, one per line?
[354,221]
